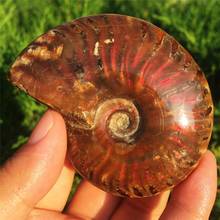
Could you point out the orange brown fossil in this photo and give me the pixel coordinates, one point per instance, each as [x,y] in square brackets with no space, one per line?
[137,107]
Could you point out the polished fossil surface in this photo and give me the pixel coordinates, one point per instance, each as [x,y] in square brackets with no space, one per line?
[137,107]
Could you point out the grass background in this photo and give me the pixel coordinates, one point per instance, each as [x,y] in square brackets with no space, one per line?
[194,23]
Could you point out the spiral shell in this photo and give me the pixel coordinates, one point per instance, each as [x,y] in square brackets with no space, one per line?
[138,109]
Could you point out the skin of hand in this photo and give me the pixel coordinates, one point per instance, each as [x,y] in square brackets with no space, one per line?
[36,181]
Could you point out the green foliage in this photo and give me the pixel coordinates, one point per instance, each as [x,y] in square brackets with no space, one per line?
[194,23]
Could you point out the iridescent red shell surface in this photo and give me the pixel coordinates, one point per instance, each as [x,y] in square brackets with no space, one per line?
[137,107]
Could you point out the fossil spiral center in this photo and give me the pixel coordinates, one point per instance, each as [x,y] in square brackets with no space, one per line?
[120,118]
[119,122]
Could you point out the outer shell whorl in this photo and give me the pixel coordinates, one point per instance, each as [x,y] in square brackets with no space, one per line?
[137,108]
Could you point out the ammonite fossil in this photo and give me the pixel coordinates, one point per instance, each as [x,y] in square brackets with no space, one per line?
[137,107]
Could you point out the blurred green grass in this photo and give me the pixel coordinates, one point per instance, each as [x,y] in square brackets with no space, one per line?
[194,23]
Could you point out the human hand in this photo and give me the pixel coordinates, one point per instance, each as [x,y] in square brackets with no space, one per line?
[36,181]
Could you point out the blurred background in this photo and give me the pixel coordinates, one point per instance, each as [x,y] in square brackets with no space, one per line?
[194,23]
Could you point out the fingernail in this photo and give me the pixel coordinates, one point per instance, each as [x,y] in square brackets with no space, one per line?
[42,128]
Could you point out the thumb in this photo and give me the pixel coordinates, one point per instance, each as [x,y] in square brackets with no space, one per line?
[31,172]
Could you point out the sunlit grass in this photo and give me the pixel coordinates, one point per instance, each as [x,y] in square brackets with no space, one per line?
[194,23]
